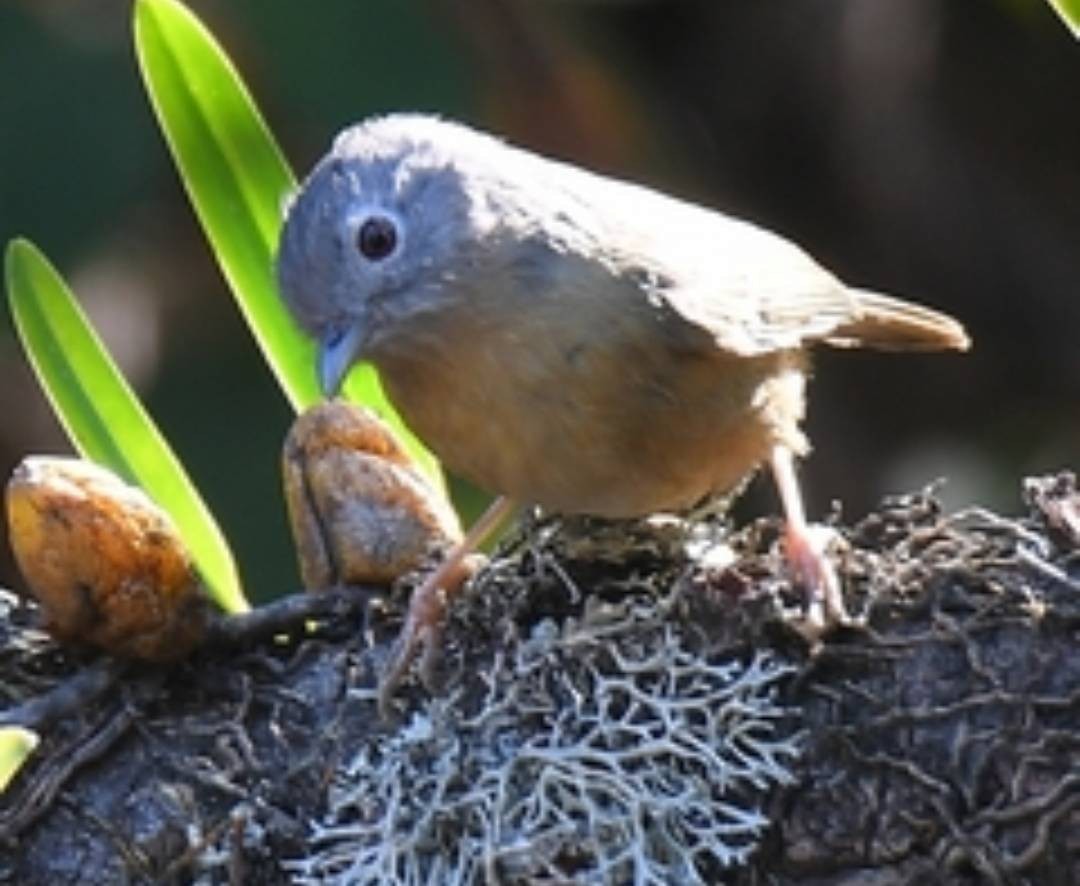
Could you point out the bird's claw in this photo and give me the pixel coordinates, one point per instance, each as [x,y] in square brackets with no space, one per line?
[422,632]
[805,549]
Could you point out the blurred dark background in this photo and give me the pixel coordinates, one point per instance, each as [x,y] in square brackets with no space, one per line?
[925,147]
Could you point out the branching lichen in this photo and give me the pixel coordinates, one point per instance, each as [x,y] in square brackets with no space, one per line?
[610,750]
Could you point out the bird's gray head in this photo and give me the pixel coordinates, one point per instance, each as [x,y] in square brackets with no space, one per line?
[378,231]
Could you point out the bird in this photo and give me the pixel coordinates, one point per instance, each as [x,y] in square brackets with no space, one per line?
[569,340]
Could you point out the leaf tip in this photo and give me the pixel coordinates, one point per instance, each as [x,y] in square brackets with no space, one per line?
[16,247]
[16,744]
[17,253]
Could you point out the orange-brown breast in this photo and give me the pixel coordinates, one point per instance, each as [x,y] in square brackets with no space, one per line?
[596,415]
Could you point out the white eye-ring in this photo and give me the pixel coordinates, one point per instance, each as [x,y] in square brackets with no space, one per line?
[377,234]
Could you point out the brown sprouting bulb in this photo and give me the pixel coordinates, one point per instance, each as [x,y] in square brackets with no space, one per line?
[361,511]
[106,564]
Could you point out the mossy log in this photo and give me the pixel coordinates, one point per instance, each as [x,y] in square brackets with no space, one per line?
[617,706]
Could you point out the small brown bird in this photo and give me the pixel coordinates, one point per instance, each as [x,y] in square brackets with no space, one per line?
[566,339]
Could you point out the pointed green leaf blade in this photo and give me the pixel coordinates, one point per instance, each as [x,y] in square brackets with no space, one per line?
[103,417]
[233,172]
[237,180]
[1069,10]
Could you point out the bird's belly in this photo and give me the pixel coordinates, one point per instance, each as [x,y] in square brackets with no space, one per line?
[611,440]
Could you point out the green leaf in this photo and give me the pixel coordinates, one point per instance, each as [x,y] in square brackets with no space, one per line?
[237,180]
[16,745]
[103,417]
[1069,10]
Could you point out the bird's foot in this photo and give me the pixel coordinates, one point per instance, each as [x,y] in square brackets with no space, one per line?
[805,548]
[423,626]
[421,634]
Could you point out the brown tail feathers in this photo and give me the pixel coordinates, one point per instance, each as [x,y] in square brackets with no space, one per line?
[891,324]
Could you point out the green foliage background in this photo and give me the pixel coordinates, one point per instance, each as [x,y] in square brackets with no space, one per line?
[925,147]
[214,400]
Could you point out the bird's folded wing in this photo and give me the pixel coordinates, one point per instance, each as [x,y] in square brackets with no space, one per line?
[758,293]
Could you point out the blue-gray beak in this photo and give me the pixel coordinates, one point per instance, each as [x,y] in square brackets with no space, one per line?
[338,350]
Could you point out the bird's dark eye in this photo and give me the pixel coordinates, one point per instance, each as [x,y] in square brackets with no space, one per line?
[377,237]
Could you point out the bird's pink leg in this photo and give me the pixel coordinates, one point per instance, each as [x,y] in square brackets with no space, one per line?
[427,605]
[804,547]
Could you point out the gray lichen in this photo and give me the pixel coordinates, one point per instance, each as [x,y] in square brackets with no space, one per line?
[610,750]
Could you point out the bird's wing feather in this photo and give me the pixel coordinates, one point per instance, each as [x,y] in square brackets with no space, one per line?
[755,292]
[751,291]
